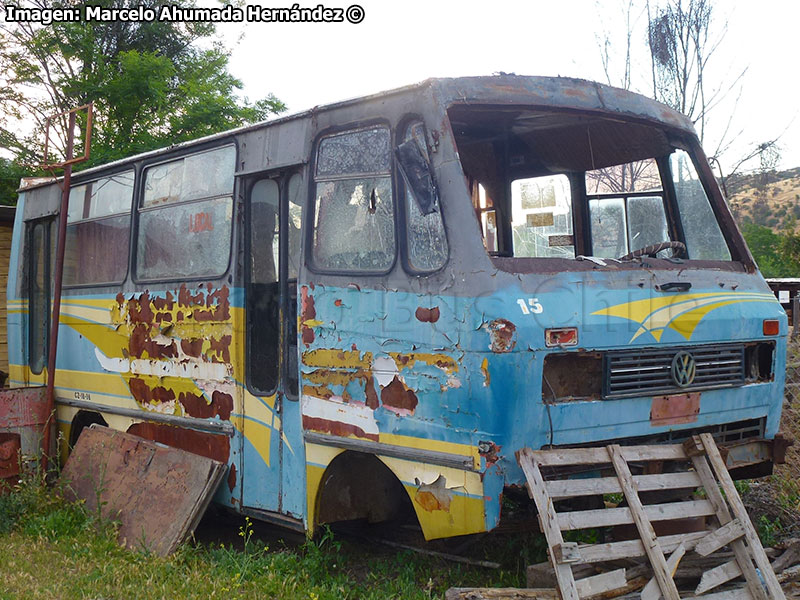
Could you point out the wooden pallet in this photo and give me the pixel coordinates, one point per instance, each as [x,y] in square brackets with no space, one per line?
[695,465]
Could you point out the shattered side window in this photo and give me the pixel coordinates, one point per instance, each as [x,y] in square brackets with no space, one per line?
[192,177]
[427,242]
[186,216]
[354,209]
[541,217]
[704,240]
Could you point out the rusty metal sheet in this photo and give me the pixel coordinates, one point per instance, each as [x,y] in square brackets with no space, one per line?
[157,493]
[23,406]
[675,409]
[9,460]
[23,411]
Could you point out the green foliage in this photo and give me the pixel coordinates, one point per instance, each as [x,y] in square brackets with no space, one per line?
[777,254]
[10,175]
[153,84]
[769,530]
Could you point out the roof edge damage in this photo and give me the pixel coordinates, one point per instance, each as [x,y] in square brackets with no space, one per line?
[509,90]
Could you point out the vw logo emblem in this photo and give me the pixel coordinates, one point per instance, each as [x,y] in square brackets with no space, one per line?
[683,369]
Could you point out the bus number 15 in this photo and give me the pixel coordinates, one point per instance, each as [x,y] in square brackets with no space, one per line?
[531,306]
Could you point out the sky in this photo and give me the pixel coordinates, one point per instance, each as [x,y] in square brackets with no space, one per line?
[398,43]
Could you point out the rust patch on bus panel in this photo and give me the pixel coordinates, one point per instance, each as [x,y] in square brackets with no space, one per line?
[434,496]
[192,347]
[146,395]
[186,333]
[676,409]
[308,315]
[214,446]
[490,452]
[219,349]
[427,315]
[195,405]
[372,395]
[501,334]
[336,428]
[397,397]
[232,478]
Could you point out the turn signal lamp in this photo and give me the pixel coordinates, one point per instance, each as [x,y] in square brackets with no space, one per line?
[771,327]
[563,336]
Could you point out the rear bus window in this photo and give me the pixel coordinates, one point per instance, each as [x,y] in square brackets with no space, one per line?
[98,230]
[185,217]
[354,209]
[626,208]
[541,217]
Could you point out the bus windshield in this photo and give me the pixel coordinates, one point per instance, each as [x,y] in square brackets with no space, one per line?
[560,185]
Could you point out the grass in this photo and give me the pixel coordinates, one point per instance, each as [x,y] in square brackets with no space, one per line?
[54,549]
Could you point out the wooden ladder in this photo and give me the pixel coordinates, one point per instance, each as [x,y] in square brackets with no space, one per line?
[695,464]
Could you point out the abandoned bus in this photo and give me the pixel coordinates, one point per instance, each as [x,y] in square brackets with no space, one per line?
[372,306]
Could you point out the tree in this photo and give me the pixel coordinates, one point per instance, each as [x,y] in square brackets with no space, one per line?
[153,83]
[681,40]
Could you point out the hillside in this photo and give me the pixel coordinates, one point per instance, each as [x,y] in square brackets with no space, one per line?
[769,199]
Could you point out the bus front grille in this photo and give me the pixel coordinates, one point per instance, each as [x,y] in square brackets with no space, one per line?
[651,372]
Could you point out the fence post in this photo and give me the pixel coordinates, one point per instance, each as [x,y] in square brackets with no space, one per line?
[795,315]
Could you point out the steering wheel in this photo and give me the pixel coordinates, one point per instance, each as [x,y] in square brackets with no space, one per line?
[678,250]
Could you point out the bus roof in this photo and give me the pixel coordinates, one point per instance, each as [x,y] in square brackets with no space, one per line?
[505,89]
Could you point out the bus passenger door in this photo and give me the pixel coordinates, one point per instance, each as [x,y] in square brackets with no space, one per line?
[40,240]
[271,411]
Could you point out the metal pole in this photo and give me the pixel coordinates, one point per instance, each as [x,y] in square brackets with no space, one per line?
[795,314]
[59,272]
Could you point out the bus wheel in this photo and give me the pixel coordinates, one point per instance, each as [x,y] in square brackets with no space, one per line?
[359,486]
[83,419]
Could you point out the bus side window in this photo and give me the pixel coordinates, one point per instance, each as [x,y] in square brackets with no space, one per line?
[185,217]
[264,294]
[427,242]
[98,230]
[354,209]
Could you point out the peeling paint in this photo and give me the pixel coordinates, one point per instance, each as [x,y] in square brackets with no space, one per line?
[490,452]
[334,415]
[398,398]
[487,378]
[434,496]
[232,477]
[502,333]
[427,315]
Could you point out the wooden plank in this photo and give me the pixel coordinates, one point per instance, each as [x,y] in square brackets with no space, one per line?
[570,488]
[548,521]
[500,594]
[724,516]
[735,594]
[719,538]
[541,575]
[588,456]
[646,532]
[718,575]
[608,517]
[634,548]
[651,591]
[739,511]
[602,583]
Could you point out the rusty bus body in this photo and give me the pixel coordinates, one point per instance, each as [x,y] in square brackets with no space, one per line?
[374,304]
